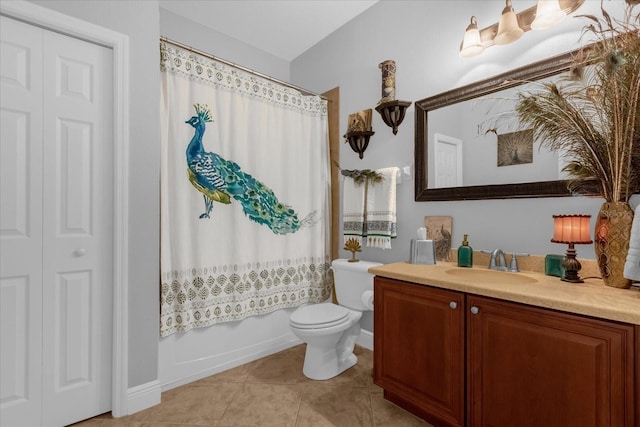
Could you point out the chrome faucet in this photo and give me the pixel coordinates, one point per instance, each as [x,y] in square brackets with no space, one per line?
[498,260]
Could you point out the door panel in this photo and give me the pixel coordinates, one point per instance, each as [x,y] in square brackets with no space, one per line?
[14,160]
[78,248]
[72,325]
[17,388]
[21,222]
[74,204]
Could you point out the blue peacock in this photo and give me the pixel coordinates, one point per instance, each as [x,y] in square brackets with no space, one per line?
[219,180]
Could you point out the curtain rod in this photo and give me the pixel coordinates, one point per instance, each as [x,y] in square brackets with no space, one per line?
[240,67]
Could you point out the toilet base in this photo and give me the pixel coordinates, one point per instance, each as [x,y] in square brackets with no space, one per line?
[323,363]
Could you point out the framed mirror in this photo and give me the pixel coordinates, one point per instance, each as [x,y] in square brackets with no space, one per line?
[430,111]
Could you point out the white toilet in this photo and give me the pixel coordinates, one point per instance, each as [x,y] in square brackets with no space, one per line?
[330,330]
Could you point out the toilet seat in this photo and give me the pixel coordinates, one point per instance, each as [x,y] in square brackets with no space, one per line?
[319,316]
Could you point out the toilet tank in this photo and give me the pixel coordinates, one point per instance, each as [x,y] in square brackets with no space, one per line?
[351,281]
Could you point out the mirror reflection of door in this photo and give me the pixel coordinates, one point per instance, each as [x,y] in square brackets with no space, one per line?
[448,161]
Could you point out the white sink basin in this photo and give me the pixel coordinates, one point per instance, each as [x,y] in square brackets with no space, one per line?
[490,276]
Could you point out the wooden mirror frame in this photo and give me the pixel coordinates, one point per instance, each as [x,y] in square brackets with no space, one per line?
[536,71]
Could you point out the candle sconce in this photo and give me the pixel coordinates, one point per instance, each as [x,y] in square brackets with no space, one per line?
[358,140]
[359,131]
[393,112]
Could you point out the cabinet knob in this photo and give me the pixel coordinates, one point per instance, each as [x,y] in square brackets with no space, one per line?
[453,305]
[475,310]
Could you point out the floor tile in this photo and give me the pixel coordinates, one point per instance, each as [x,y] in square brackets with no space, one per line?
[191,405]
[276,370]
[264,405]
[273,392]
[334,405]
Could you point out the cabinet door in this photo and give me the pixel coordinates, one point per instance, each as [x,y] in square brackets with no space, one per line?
[535,367]
[418,349]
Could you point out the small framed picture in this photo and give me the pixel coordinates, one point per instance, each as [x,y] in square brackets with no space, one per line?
[515,148]
[439,229]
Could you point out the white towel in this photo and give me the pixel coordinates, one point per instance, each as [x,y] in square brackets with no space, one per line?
[353,210]
[632,265]
[381,209]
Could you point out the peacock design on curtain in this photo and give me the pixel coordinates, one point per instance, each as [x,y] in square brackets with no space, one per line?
[219,179]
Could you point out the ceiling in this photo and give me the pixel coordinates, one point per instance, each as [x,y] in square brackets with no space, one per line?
[283,28]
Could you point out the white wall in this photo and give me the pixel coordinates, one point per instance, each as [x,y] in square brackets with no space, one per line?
[139,20]
[177,28]
[423,38]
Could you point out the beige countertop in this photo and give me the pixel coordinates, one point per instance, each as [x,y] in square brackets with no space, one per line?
[591,298]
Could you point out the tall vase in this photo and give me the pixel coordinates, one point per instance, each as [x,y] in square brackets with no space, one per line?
[612,237]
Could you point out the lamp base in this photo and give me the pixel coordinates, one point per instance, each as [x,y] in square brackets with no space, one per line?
[571,266]
[572,280]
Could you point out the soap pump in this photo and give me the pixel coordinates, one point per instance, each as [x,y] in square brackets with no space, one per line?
[465,253]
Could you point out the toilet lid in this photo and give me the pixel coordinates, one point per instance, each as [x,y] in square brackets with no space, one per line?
[319,316]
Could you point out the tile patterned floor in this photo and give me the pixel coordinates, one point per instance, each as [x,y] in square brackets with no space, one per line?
[273,392]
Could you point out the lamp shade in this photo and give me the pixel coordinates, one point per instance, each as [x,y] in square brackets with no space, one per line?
[548,14]
[574,229]
[508,28]
[471,45]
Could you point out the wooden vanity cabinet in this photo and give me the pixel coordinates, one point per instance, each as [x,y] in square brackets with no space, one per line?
[531,367]
[525,366]
[419,349]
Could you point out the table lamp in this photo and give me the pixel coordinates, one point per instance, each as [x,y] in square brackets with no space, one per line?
[572,230]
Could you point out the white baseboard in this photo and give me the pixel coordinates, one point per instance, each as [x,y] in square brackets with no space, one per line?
[143,396]
[223,362]
[366,339]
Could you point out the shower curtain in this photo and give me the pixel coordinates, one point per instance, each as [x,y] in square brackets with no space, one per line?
[244,194]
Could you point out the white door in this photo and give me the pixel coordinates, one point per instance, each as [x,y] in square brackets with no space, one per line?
[448,161]
[56,234]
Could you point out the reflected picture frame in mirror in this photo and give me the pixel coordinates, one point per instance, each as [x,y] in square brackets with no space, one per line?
[533,72]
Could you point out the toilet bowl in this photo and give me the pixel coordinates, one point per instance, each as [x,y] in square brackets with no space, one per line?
[330,330]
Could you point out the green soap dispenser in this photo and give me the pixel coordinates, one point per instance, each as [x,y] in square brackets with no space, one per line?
[465,253]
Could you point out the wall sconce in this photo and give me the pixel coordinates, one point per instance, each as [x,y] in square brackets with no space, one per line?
[512,25]
[391,110]
[359,131]
[572,230]
[358,140]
